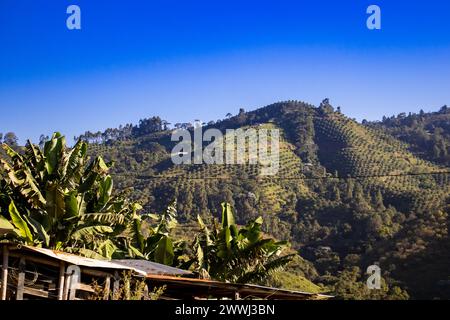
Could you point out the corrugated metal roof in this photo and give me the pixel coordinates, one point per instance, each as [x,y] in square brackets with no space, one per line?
[142,267]
[79,260]
[150,267]
[211,287]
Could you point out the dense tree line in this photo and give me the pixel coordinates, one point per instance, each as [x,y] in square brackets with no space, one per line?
[9,138]
[428,134]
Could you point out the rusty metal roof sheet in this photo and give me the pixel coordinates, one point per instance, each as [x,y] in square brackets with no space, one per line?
[177,285]
[150,267]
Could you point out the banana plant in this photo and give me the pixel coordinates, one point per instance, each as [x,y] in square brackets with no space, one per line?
[56,198]
[157,245]
[233,254]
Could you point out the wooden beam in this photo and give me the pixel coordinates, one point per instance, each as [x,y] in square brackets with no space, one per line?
[62,279]
[48,262]
[4,272]
[67,280]
[95,273]
[85,287]
[36,292]
[21,279]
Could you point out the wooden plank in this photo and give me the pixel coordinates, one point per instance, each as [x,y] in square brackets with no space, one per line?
[85,287]
[21,279]
[4,272]
[35,292]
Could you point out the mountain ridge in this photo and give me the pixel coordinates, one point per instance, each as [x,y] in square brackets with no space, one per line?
[363,191]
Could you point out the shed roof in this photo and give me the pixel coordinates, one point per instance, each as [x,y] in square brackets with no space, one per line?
[150,267]
[79,260]
[188,287]
[142,267]
[179,287]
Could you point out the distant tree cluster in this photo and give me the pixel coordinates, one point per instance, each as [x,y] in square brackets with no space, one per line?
[428,134]
[129,131]
[9,138]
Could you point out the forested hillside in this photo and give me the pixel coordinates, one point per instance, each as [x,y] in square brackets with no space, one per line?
[347,194]
[427,134]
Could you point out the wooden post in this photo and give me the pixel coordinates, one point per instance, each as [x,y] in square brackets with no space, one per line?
[116,285]
[21,279]
[62,278]
[4,272]
[107,288]
[146,294]
[67,280]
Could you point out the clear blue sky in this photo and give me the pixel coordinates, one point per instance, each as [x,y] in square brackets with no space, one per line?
[194,59]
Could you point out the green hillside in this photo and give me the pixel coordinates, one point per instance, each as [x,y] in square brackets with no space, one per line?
[347,194]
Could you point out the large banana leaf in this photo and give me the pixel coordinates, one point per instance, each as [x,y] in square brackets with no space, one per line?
[21,225]
[36,163]
[23,180]
[75,205]
[164,251]
[71,204]
[88,233]
[53,150]
[105,191]
[205,231]
[6,227]
[107,218]
[56,202]
[73,166]
[38,229]
[134,252]
[136,234]
[227,215]
[107,248]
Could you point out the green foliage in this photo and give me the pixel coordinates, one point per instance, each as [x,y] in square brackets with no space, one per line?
[346,195]
[130,288]
[350,285]
[229,253]
[56,199]
[427,134]
[295,276]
